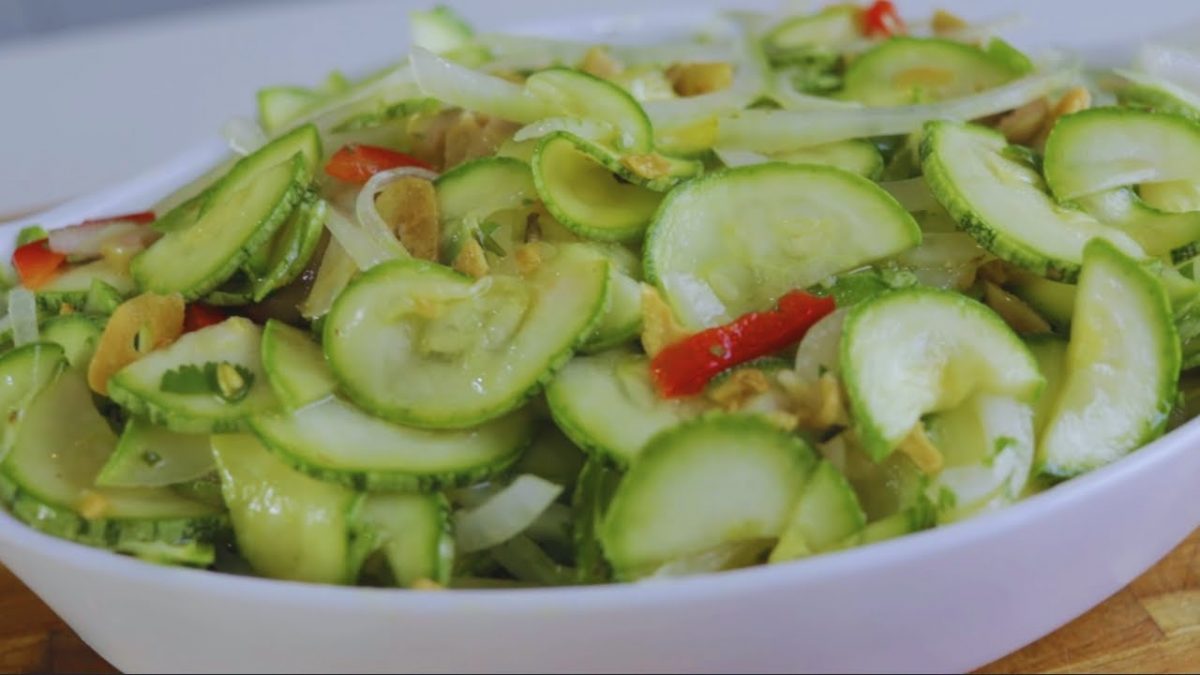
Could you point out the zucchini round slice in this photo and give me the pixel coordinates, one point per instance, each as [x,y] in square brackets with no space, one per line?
[713,482]
[468,194]
[856,156]
[622,318]
[295,366]
[584,194]
[293,246]
[735,241]
[909,353]
[233,342]
[76,334]
[1051,354]
[580,95]
[151,456]
[827,514]
[288,526]
[1104,148]
[24,372]
[998,199]
[54,468]
[831,28]
[414,534]
[334,441]
[467,352]
[1122,367]
[906,70]
[73,285]
[1158,232]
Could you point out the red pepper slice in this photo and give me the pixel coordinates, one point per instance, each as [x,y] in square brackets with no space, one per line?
[685,367]
[197,316]
[882,20]
[36,264]
[357,163]
[141,218]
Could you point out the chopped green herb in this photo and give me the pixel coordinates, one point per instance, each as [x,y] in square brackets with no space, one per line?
[227,380]
[31,234]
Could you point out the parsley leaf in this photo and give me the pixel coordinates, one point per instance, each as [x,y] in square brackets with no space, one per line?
[229,381]
[188,379]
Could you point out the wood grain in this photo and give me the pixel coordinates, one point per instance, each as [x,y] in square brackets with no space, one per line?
[1150,626]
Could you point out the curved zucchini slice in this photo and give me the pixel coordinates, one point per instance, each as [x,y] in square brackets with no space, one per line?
[710,483]
[240,218]
[414,534]
[1145,92]
[152,456]
[1051,354]
[829,29]
[76,334]
[608,406]
[468,352]
[287,525]
[577,94]
[826,514]
[585,194]
[1053,300]
[856,156]
[233,342]
[54,468]
[470,193]
[1100,149]
[74,284]
[295,366]
[1158,232]
[622,318]
[1122,367]
[292,247]
[913,352]
[987,445]
[906,70]
[24,372]
[713,263]
[334,441]
[998,199]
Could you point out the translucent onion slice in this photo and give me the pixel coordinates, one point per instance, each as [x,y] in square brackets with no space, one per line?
[1176,65]
[243,135]
[457,85]
[22,311]
[372,231]
[506,514]
[89,240]
[590,129]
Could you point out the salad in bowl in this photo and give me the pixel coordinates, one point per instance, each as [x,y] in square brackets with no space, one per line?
[523,312]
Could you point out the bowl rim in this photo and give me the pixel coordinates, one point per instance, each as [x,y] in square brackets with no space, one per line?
[152,185]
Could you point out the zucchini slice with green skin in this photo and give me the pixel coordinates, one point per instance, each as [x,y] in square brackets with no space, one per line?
[856,156]
[197,259]
[1100,149]
[295,366]
[713,482]
[998,199]
[24,372]
[1122,367]
[53,467]
[830,29]
[987,444]
[336,442]
[469,193]
[73,285]
[1144,92]
[1158,232]
[76,334]
[1053,300]
[580,95]
[1051,354]
[236,341]
[468,351]
[622,318]
[826,514]
[594,490]
[585,195]
[414,534]
[918,351]
[293,246]
[279,105]
[153,456]
[905,70]
[287,525]
[714,263]
[608,405]
[304,141]
[552,456]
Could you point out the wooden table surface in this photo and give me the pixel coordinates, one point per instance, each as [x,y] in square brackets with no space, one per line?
[1151,626]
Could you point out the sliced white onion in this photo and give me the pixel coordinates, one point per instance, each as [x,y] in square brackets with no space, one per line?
[336,270]
[749,83]
[397,84]
[590,129]
[369,220]
[22,310]
[733,158]
[785,94]
[89,240]
[1174,64]
[364,248]
[458,85]
[243,135]
[785,130]
[505,515]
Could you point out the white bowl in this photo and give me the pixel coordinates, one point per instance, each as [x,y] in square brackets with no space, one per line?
[949,599]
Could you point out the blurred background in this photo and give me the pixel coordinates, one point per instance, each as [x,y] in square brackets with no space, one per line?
[31,18]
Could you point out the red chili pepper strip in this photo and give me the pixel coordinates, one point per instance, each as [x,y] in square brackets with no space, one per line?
[141,218]
[685,367]
[198,316]
[36,264]
[882,20]
[357,163]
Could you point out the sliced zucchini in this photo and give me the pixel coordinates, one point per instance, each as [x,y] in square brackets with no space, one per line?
[470,193]
[467,351]
[54,467]
[288,526]
[279,105]
[1104,148]
[295,366]
[1054,300]
[998,199]
[413,532]
[826,514]
[712,482]
[440,30]
[72,286]
[552,456]
[584,193]
[622,318]
[1176,196]
[830,29]
[1122,367]
[1145,92]
[905,70]
[608,405]
[856,156]
[334,441]
[913,352]
[233,342]
[1051,354]
[24,372]
[76,334]
[594,490]
[293,247]
[197,259]
[714,264]
[577,94]
[102,299]
[1159,233]
[987,445]
[153,456]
